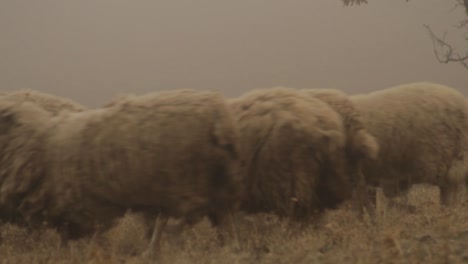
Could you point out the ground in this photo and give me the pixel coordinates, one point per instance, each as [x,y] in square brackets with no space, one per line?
[430,234]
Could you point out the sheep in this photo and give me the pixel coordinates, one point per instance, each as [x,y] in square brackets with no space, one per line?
[421,129]
[49,102]
[168,154]
[360,144]
[292,154]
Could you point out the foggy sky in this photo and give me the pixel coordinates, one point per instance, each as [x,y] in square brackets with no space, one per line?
[91,50]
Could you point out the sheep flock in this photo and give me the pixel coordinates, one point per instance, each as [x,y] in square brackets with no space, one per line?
[177,157]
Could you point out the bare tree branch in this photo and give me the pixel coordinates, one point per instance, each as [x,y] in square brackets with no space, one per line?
[358,2]
[352,2]
[463,3]
[449,54]
[463,23]
[444,52]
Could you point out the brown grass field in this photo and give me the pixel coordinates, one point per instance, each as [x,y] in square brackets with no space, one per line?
[429,234]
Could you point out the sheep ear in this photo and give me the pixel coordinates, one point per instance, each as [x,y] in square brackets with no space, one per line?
[333,140]
[224,138]
[366,144]
[7,120]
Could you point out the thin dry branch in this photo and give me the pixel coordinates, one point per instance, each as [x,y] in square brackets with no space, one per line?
[353,2]
[358,2]
[460,3]
[464,3]
[444,52]
[463,23]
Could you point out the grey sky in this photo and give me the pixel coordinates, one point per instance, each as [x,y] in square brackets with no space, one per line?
[90,50]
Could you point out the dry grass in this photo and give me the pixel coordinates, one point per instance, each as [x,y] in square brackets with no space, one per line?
[428,235]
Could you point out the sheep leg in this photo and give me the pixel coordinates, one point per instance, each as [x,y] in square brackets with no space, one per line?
[220,221]
[65,235]
[64,241]
[98,241]
[364,198]
[176,230]
[155,243]
[449,194]
[372,196]
[384,202]
[400,188]
[404,187]
[224,225]
[363,201]
[380,202]
[149,223]
[231,227]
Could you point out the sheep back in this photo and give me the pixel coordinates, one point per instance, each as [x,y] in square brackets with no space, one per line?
[171,153]
[421,129]
[292,153]
[361,144]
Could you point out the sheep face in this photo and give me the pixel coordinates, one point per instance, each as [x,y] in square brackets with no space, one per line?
[334,181]
[21,126]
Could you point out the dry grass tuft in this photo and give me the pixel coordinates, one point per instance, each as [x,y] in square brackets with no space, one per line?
[429,234]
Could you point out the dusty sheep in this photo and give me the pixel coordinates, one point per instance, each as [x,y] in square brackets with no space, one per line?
[170,153]
[53,104]
[292,150]
[360,144]
[421,129]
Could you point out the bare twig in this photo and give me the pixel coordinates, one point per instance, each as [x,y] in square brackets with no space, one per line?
[352,2]
[444,52]
[358,2]
[463,3]
[463,23]
[449,54]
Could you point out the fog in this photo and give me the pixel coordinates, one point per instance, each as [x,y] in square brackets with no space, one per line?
[91,50]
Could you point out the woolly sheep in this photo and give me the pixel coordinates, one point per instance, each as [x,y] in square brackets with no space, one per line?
[292,150]
[170,153]
[360,144]
[50,103]
[421,129]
